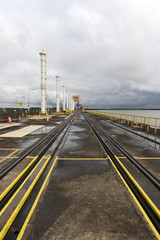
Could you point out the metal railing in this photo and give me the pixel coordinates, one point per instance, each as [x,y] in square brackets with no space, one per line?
[136,121]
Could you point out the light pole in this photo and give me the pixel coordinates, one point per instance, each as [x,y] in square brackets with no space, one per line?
[57,93]
[28,98]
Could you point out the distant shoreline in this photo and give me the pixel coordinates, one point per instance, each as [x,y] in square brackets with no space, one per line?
[145,109]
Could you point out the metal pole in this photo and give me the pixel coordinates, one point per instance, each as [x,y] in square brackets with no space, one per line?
[57,93]
[43,82]
[29,100]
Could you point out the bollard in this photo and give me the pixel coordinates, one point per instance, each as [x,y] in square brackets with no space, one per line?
[47,118]
[9,120]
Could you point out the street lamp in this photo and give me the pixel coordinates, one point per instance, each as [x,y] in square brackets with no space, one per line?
[28,98]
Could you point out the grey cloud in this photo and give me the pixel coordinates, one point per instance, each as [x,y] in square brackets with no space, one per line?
[107,52]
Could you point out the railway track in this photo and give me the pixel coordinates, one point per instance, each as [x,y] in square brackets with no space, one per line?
[133,132]
[148,208]
[38,146]
[18,200]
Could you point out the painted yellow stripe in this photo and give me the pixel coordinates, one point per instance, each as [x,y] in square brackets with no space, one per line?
[147,157]
[142,157]
[23,200]
[152,205]
[9,155]
[82,158]
[16,180]
[137,202]
[10,200]
[9,149]
[35,202]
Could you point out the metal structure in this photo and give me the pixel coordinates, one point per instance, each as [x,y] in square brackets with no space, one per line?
[64,98]
[43,82]
[58,93]
[76,99]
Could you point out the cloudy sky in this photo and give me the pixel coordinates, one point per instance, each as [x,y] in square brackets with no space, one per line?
[106,51]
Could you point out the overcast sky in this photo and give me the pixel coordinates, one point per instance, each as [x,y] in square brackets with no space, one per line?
[106,51]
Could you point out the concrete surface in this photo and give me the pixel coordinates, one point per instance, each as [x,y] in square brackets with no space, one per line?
[22,132]
[86,200]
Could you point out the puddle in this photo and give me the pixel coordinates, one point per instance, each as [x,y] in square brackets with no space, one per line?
[75,142]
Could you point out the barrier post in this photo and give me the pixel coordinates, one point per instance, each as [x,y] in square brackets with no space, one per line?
[155,125]
[148,125]
[136,121]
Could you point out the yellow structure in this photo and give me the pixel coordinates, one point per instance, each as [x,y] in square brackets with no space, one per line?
[76,99]
[68,111]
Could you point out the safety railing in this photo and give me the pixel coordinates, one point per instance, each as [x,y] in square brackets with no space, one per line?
[142,122]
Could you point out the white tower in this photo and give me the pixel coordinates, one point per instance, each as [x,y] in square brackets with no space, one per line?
[67,100]
[57,93]
[43,82]
[72,104]
[64,98]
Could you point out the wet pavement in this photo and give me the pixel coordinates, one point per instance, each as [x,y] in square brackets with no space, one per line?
[86,199]
[12,148]
[141,149]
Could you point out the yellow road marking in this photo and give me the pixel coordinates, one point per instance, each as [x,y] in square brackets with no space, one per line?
[35,202]
[9,155]
[16,180]
[10,200]
[23,200]
[142,157]
[152,205]
[8,149]
[137,202]
[147,157]
[82,158]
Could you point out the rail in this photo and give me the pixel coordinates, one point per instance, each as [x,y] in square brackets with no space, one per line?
[14,198]
[146,123]
[149,210]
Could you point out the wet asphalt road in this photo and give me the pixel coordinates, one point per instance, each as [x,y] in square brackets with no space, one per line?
[9,145]
[86,199]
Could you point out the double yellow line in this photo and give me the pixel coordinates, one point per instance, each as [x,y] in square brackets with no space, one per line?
[17,179]
[26,195]
[8,156]
[19,206]
[152,205]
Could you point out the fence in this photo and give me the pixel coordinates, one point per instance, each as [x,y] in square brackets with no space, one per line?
[147,123]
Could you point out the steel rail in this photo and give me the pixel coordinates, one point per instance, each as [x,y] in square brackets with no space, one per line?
[142,169]
[13,188]
[27,152]
[128,130]
[147,208]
